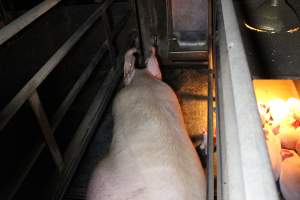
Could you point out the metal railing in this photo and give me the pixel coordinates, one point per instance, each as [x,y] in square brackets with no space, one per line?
[21,22]
[210,117]
[65,163]
[244,170]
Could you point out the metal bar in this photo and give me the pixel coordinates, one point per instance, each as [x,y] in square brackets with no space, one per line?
[188,55]
[246,172]
[39,112]
[61,111]
[41,147]
[9,111]
[65,105]
[87,126]
[181,64]
[15,186]
[24,20]
[83,134]
[108,33]
[210,140]
[218,141]
[135,9]
[3,13]
[121,25]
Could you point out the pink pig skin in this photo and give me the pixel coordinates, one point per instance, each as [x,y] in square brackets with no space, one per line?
[151,156]
[274,149]
[290,176]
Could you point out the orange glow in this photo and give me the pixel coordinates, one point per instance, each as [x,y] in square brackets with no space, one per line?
[253,29]
[292,30]
[279,109]
[280,97]
[266,90]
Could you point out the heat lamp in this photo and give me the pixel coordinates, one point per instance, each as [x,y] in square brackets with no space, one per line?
[273,16]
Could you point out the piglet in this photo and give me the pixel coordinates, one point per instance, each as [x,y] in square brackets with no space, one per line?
[290,175]
[274,149]
[151,156]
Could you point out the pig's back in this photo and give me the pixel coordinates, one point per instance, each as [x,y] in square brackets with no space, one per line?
[151,155]
[290,177]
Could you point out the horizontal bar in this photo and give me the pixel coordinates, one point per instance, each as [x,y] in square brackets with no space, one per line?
[13,185]
[191,96]
[87,126]
[188,55]
[61,111]
[40,114]
[202,69]
[35,155]
[65,105]
[24,20]
[9,111]
[83,134]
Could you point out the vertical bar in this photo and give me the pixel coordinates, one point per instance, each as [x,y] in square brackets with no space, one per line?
[39,112]
[218,142]
[3,13]
[108,32]
[246,169]
[134,7]
[210,141]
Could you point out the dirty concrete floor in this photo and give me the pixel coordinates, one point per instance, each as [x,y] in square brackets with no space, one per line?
[190,86]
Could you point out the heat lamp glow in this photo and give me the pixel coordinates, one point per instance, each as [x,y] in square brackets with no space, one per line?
[279,109]
[292,30]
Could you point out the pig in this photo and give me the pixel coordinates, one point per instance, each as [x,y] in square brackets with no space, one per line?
[289,137]
[294,105]
[274,150]
[279,110]
[151,156]
[290,175]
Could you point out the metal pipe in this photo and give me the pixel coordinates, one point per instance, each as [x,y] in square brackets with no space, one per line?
[275,2]
[15,104]
[3,13]
[246,170]
[67,102]
[83,134]
[210,140]
[47,131]
[24,20]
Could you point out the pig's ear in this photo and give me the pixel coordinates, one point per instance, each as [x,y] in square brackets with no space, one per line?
[129,68]
[152,65]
